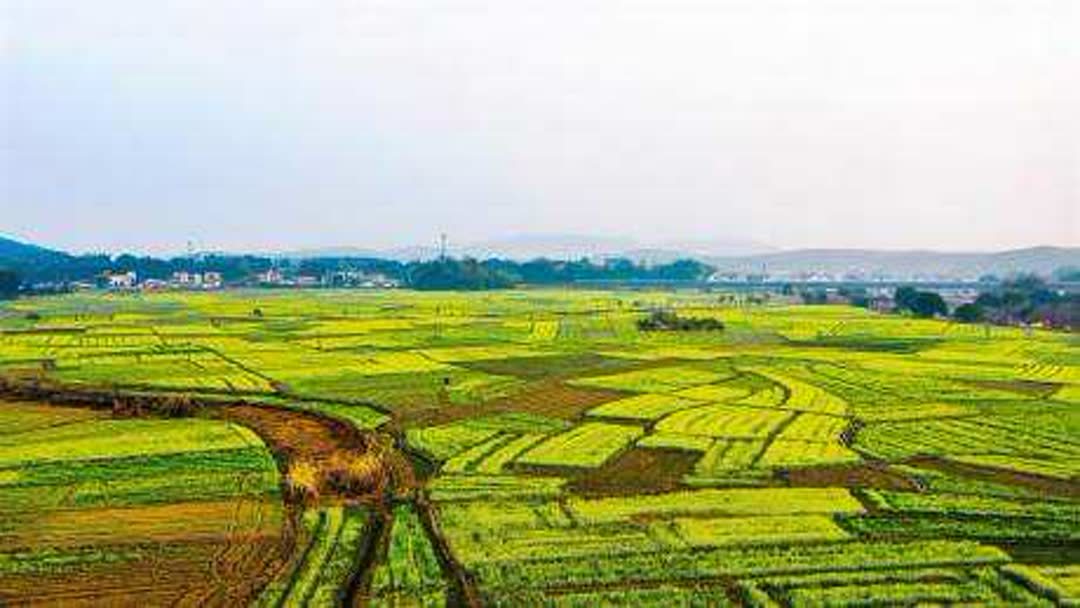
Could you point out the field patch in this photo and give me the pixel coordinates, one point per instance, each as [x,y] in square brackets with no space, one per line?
[637,471]
[728,421]
[746,502]
[100,510]
[552,366]
[643,407]
[119,438]
[655,380]
[586,445]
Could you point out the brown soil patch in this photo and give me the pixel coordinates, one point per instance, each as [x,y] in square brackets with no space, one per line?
[556,366]
[1032,388]
[340,461]
[183,574]
[867,475]
[1056,554]
[1050,486]
[551,398]
[173,522]
[637,471]
[296,434]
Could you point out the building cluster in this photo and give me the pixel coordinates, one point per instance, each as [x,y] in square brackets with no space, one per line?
[205,281]
[848,276]
[129,281]
[344,278]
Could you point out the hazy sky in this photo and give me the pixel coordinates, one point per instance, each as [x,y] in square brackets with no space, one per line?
[277,124]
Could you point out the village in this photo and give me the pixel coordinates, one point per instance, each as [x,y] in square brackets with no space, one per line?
[129,280]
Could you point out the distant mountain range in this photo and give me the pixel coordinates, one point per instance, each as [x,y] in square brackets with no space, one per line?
[1040,260]
[734,257]
[13,250]
[743,257]
[554,246]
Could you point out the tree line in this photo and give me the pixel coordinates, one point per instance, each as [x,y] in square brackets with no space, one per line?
[1024,299]
[57,270]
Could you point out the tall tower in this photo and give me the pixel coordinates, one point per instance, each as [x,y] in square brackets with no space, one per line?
[442,247]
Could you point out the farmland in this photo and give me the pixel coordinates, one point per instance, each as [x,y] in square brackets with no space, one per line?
[287,448]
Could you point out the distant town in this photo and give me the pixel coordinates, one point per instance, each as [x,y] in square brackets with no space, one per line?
[129,280]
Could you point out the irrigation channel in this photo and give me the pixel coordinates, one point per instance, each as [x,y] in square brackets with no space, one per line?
[300,436]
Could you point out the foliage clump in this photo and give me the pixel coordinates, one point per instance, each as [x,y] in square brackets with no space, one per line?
[922,304]
[665,320]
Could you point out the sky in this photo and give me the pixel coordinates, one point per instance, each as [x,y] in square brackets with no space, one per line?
[289,124]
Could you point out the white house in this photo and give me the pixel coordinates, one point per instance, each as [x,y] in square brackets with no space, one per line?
[271,277]
[212,280]
[123,280]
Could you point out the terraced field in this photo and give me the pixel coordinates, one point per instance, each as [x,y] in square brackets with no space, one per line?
[529,448]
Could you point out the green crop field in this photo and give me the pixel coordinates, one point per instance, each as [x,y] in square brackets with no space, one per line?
[529,448]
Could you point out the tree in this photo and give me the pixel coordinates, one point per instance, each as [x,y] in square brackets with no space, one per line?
[457,274]
[1067,274]
[856,296]
[923,304]
[905,297]
[9,283]
[664,320]
[969,313]
[929,304]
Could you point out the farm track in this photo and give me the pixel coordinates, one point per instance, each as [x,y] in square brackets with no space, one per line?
[375,542]
[463,589]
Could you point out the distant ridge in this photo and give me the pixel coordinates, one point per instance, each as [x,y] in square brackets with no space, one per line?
[11,249]
[555,247]
[866,263]
[1040,260]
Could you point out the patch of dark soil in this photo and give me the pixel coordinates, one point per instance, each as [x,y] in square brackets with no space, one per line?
[1063,554]
[1032,388]
[873,344]
[347,463]
[295,434]
[556,366]
[1049,486]
[865,475]
[637,471]
[161,575]
[551,398]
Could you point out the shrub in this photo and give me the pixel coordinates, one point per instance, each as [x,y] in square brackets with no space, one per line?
[663,320]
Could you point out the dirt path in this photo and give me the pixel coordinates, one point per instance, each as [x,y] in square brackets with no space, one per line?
[463,590]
